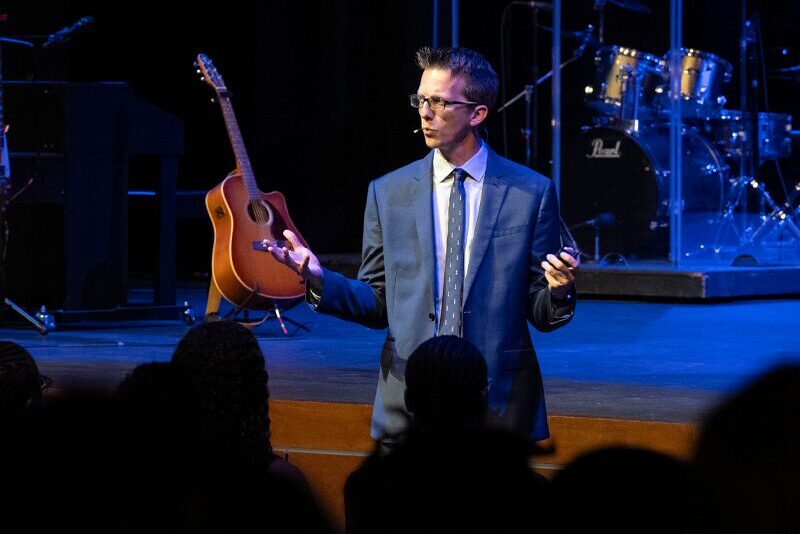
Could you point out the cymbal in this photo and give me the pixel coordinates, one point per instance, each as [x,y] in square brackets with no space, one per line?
[786,73]
[586,34]
[630,5]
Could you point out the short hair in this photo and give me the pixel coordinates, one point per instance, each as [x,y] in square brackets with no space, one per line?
[446,384]
[226,366]
[20,382]
[480,79]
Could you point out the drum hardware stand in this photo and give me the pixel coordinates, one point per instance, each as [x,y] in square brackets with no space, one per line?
[630,99]
[736,198]
[777,218]
[529,90]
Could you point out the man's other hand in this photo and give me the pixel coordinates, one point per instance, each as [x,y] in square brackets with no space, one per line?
[560,272]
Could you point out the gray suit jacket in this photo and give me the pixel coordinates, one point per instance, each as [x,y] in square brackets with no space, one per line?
[504,290]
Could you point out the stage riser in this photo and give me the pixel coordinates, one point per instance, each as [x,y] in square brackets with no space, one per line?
[328,441]
[649,280]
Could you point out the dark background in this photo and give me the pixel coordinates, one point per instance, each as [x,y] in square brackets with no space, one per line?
[320,88]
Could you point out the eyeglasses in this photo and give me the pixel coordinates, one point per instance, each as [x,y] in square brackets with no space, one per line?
[436,103]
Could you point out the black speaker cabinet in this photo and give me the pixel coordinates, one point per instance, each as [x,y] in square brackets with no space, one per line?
[67,245]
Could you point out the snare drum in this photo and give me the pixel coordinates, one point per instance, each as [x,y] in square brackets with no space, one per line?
[613,67]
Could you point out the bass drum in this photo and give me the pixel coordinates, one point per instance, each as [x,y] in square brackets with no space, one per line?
[610,171]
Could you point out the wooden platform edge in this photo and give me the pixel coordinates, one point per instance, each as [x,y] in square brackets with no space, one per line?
[328,441]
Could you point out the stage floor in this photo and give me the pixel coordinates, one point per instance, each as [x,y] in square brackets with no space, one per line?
[649,361]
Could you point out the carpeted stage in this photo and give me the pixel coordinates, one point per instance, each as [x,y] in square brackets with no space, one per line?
[640,373]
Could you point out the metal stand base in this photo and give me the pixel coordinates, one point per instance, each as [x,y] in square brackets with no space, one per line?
[47,321]
[43,322]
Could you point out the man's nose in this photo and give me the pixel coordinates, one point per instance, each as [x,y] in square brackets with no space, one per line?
[425,111]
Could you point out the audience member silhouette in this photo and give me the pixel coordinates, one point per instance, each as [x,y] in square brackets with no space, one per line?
[199,487]
[225,363]
[446,386]
[448,474]
[747,453]
[620,489]
[20,382]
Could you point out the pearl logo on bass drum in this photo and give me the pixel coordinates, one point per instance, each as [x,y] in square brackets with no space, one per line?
[600,151]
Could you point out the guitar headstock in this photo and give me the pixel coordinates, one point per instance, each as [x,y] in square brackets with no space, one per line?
[210,75]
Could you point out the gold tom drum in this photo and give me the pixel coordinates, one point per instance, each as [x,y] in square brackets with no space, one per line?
[610,92]
[702,77]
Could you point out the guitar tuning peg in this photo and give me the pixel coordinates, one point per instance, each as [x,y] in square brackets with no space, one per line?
[199,71]
[195,64]
[202,78]
[213,100]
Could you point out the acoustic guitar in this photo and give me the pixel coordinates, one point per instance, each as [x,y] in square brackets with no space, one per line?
[246,221]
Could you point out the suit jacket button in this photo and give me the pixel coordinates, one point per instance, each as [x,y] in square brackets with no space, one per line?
[431,316]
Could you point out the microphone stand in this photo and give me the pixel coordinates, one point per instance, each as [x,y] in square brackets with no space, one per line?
[528,92]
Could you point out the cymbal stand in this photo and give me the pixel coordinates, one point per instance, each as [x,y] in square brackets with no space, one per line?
[600,7]
[527,93]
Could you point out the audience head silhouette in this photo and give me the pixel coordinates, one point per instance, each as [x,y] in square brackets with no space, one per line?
[446,385]
[226,366]
[20,382]
[747,454]
[620,489]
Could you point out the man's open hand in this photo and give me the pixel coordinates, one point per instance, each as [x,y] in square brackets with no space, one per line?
[299,258]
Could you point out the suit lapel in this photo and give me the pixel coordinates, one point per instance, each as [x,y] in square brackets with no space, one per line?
[494,192]
[422,204]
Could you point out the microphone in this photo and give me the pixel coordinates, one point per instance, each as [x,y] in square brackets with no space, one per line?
[543,6]
[603,220]
[66,32]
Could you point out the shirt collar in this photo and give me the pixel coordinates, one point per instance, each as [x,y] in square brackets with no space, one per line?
[475,167]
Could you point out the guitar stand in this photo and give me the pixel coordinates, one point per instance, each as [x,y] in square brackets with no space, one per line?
[215,299]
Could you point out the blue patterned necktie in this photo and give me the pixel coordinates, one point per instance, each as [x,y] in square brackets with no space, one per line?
[454,259]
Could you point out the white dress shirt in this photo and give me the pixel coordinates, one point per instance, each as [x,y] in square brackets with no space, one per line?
[442,184]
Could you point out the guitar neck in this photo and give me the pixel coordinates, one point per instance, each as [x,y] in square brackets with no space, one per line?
[239,150]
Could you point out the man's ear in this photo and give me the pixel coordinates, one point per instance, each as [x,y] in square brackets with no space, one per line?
[479,114]
[410,401]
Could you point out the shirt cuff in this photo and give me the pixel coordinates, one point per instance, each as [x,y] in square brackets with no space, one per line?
[312,298]
[562,308]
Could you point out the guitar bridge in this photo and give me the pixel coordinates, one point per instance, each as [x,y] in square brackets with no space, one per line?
[264,244]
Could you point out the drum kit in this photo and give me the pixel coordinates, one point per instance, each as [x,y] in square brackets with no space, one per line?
[618,169]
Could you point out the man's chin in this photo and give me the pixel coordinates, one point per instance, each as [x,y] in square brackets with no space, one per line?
[431,142]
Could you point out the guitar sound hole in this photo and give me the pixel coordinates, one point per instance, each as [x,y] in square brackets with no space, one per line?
[260,212]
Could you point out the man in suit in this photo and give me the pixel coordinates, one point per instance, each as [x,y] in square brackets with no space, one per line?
[463,242]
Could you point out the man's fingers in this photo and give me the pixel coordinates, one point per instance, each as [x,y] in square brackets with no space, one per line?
[303,264]
[292,239]
[549,269]
[569,259]
[282,255]
[555,262]
[558,275]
